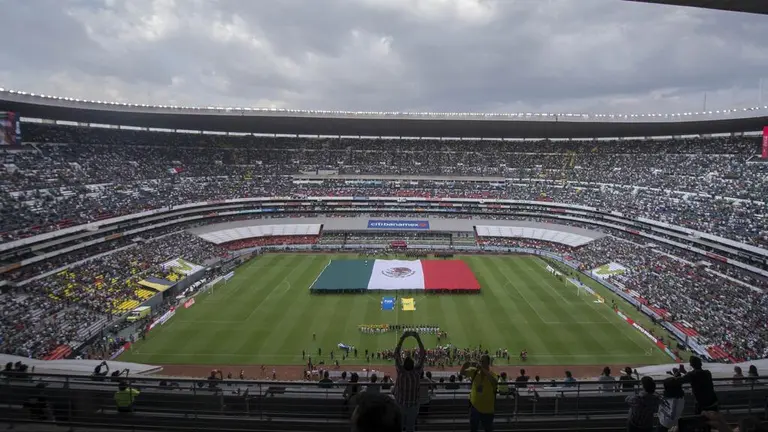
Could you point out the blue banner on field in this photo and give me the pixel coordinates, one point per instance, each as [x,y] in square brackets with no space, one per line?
[398,224]
[387,303]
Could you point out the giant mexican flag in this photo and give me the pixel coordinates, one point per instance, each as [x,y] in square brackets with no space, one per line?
[381,274]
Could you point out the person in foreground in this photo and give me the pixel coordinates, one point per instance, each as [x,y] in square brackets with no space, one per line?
[672,404]
[702,386]
[406,389]
[642,407]
[376,412]
[482,398]
[124,397]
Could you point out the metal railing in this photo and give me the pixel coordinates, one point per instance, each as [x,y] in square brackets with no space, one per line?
[200,404]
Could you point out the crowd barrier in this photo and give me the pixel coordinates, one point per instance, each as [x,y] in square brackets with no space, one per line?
[239,405]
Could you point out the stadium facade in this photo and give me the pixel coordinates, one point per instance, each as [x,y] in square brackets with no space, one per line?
[375,124]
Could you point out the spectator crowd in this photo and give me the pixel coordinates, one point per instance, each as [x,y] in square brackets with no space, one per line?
[70,306]
[74,175]
[79,175]
[729,314]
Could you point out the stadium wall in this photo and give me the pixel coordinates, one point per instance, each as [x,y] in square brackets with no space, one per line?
[363,224]
[78,367]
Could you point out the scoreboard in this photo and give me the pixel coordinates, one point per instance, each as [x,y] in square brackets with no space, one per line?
[10,129]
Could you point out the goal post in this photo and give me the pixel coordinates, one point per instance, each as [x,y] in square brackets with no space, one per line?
[580,288]
[576,286]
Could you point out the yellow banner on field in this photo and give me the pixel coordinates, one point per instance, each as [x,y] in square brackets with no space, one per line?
[409,304]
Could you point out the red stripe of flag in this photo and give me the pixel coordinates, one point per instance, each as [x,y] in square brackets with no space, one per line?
[448,275]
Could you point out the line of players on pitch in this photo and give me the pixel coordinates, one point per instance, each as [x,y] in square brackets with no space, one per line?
[386,328]
[440,356]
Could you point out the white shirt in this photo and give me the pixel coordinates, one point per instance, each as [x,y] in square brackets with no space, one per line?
[607,383]
[670,411]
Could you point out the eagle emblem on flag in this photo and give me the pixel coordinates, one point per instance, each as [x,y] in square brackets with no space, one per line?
[398,272]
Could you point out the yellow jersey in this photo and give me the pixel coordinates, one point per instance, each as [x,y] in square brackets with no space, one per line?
[483,394]
[125,398]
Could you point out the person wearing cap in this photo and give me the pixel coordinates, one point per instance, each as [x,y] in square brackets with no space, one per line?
[124,397]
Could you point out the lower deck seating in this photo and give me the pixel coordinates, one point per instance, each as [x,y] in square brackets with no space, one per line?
[270,406]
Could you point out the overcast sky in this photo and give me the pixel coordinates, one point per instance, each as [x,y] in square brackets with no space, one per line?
[403,55]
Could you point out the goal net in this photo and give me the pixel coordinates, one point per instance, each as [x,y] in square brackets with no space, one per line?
[582,289]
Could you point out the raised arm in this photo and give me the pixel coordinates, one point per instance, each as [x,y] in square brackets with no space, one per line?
[422,351]
[464,369]
[398,349]
[487,374]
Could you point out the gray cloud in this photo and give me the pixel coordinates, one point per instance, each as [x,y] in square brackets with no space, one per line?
[404,55]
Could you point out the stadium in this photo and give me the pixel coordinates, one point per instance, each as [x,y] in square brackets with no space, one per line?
[224,261]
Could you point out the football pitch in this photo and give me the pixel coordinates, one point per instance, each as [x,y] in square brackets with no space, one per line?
[265,314]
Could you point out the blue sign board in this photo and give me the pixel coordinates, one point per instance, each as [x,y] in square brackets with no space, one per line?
[398,224]
[387,303]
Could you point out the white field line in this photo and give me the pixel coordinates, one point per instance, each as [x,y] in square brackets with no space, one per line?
[614,322]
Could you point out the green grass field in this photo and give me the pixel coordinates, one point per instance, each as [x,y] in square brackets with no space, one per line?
[266,315]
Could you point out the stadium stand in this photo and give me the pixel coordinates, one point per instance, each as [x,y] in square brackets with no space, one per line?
[101,173]
[91,293]
[76,401]
[681,290]
[72,176]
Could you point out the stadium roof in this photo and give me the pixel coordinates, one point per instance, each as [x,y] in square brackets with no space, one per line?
[467,125]
[750,6]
